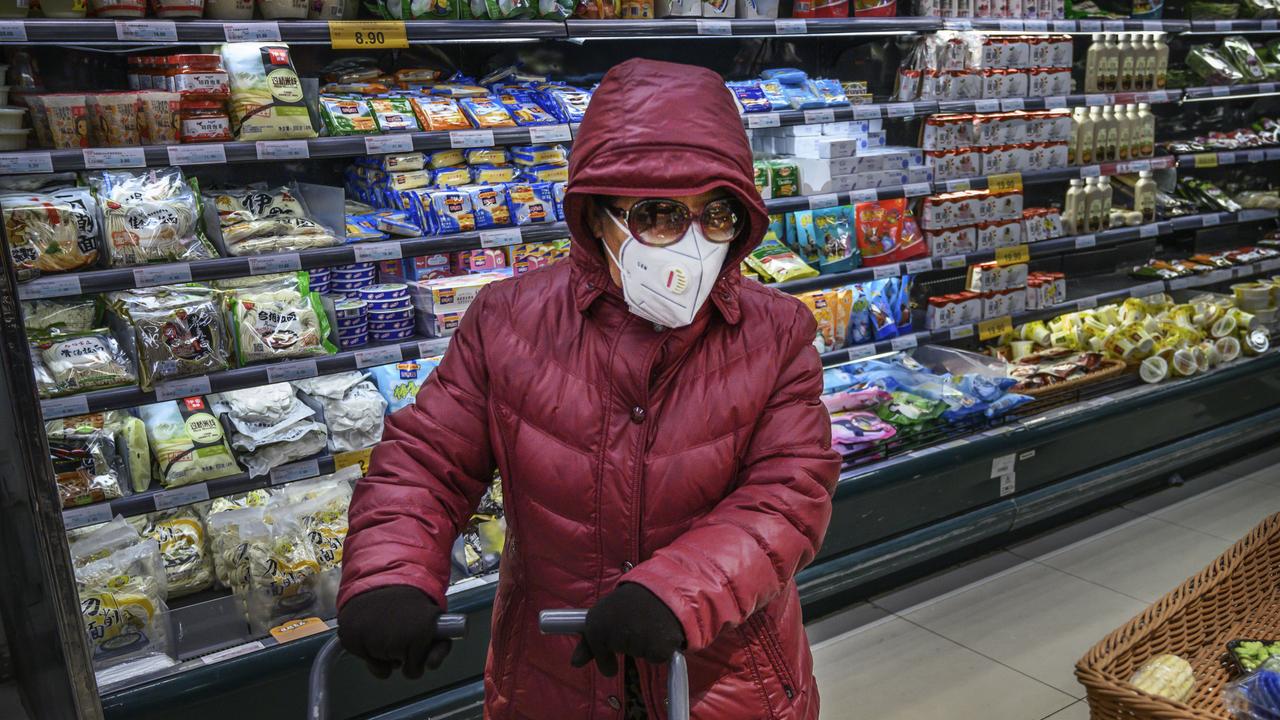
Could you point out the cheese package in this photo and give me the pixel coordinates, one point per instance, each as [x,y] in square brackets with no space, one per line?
[439,113]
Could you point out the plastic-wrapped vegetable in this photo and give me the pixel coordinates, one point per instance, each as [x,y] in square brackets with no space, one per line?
[258,219]
[267,101]
[1212,66]
[122,594]
[279,320]
[187,442]
[150,216]
[77,362]
[177,330]
[1245,59]
[184,548]
[52,233]
[59,316]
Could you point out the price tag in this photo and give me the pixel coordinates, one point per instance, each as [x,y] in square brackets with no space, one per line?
[13,31]
[470,138]
[148,31]
[267,264]
[916,189]
[1011,104]
[857,352]
[995,327]
[232,652]
[499,238]
[1089,171]
[367,34]
[1113,25]
[960,24]
[1270,24]
[433,347]
[1152,26]
[957,185]
[1219,90]
[715,27]
[763,120]
[881,272]
[384,144]
[1266,88]
[114,157]
[1217,276]
[1168,161]
[298,629]
[1005,182]
[905,342]
[866,112]
[377,356]
[959,333]
[861,196]
[1008,484]
[52,286]
[1273,154]
[87,515]
[167,274]
[1056,101]
[790,27]
[550,134]
[353,457]
[954,261]
[295,471]
[1090,26]
[1092,100]
[377,252]
[1158,96]
[184,388]
[818,202]
[1012,255]
[1222,25]
[1086,241]
[18,163]
[897,110]
[986,106]
[1064,26]
[1087,303]
[1269,265]
[1036,25]
[198,154]
[1003,465]
[285,372]
[262,31]
[1146,289]
[1011,25]
[1180,283]
[1210,220]
[1148,231]
[64,406]
[915,267]
[819,117]
[283,149]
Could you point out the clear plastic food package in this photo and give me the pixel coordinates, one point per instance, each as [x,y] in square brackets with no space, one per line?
[267,101]
[76,362]
[187,442]
[130,439]
[150,216]
[59,316]
[178,330]
[86,465]
[258,219]
[283,573]
[52,232]
[184,548]
[279,320]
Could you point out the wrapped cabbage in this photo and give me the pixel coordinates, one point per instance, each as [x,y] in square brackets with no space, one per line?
[150,216]
[1207,62]
[258,219]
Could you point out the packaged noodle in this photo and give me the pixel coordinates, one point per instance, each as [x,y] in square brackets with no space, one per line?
[177,330]
[51,232]
[130,439]
[230,530]
[76,362]
[184,548]
[267,101]
[775,263]
[86,465]
[283,572]
[253,498]
[121,585]
[187,442]
[59,316]
[150,216]
[92,543]
[258,219]
[279,320]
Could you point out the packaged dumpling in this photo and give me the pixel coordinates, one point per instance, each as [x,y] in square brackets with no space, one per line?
[184,548]
[76,362]
[51,233]
[150,216]
[279,320]
[122,592]
[353,409]
[187,442]
[59,316]
[324,520]
[270,426]
[177,330]
[86,465]
[258,219]
[267,101]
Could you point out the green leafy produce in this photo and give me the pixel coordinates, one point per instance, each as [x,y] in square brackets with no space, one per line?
[1252,653]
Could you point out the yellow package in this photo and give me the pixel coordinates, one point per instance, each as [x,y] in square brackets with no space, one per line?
[445,158]
[452,177]
[775,263]
[817,303]
[841,302]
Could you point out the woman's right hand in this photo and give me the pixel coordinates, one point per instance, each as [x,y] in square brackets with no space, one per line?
[390,627]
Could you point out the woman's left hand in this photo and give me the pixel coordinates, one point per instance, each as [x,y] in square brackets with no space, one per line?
[628,621]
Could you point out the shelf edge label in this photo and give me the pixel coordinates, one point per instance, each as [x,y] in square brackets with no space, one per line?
[198,154]
[51,286]
[263,31]
[27,162]
[198,492]
[384,144]
[146,31]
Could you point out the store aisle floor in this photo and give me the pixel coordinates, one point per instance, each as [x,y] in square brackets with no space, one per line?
[998,638]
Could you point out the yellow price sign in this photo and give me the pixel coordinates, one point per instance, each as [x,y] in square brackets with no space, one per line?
[367,34]
[298,629]
[1005,182]
[1012,255]
[995,327]
[1206,160]
[353,457]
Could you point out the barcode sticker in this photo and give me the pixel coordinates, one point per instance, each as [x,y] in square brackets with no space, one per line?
[1036,25]
[763,120]
[905,342]
[964,331]
[549,134]
[13,31]
[146,31]
[198,492]
[1003,464]
[1219,90]
[263,31]
[790,27]
[1211,220]
[1158,96]
[715,27]
[1090,26]
[295,471]
[114,157]
[1113,25]
[818,202]
[32,162]
[1222,25]
[87,515]
[1270,24]
[1089,171]
[182,388]
[267,264]
[384,144]
[818,117]
[64,406]
[1266,88]
[286,372]
[1008,484]
[957,185]
[500,238]
[52,286]
[167,274]
[470,138]
[430,348]
[1152,26]
[377,356]
[1086,241]
[916,267]
[377,251]
[1092,100]
[198,154]
[282,149]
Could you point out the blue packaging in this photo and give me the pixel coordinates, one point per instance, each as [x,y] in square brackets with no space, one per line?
[392,326]
[353,343]
[557,192]
[318,275]
[390,304]
[350,309]
[350,287]
[353,276]
[391,335]
[773,92]
[451,212]
[320,288]
[383,291]
[488,205]
[831,92]
[391,314]
[531,203]
[352,328]
[523,106]
[400,382]
[353,267]
[751,99]
[545,173]
[786,76]
[549,154]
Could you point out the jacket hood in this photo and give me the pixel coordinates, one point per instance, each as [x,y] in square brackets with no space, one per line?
[659,129]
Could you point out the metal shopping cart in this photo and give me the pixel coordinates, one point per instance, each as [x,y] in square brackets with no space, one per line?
[573,622]
[448,627]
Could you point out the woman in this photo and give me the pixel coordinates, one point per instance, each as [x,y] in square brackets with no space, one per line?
[655,420]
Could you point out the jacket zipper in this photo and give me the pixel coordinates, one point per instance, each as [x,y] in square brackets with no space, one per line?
[773,649]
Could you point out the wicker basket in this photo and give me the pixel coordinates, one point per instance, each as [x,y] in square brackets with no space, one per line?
[1237,596]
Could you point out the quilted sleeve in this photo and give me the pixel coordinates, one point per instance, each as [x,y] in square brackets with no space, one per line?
[737,558]
[425,477]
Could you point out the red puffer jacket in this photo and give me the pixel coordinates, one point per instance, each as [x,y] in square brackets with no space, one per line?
[695,461]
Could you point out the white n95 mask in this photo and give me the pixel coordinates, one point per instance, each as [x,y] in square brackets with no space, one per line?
[668,285]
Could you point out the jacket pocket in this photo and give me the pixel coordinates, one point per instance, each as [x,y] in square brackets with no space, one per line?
[766,637]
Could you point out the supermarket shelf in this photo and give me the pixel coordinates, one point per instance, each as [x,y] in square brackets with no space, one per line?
[153,32]
[240,378]
[99,281]
[1222,27]
[1216,92]
[157,499]
[709,27]
[1067,26]
[36,161]
[1230,157]
[1136,289]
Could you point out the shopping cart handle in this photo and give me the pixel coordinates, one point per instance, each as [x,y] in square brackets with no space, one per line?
[572,622]
[448,627]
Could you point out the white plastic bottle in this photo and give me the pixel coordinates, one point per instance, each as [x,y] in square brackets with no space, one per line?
[1110,57]
[1071,220]
[1093,64]
[1162,61]
[1125,55]
[1092,206]
[1104,194]
[1106,136]
[1134,123]
[1147,130]
[1144,196]
[1073,140]
[1085,130]
[1141,63]
[1124,131]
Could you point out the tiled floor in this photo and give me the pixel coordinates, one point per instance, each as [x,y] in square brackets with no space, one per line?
[998,638]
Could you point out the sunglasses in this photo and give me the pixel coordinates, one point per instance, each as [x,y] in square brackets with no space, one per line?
[659,222]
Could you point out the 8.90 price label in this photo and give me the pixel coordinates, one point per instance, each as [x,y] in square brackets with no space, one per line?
[367,34]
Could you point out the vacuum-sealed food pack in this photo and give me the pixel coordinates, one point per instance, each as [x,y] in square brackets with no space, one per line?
[184,548]
[87,466]
[187,442]
[230,529]
[283,573]
[122,593]
[130,438]
[52,232]
[347,115]
[59,316]
[178,331]
[278,320]
[150,216]
[267,101]
[353,409]
[438,113]
[76,362]
[258,219]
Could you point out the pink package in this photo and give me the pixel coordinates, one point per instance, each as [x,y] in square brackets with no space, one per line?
[855,431]
[855,399]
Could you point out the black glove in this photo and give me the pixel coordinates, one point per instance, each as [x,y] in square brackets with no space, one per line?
[631,621]
[390,627]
